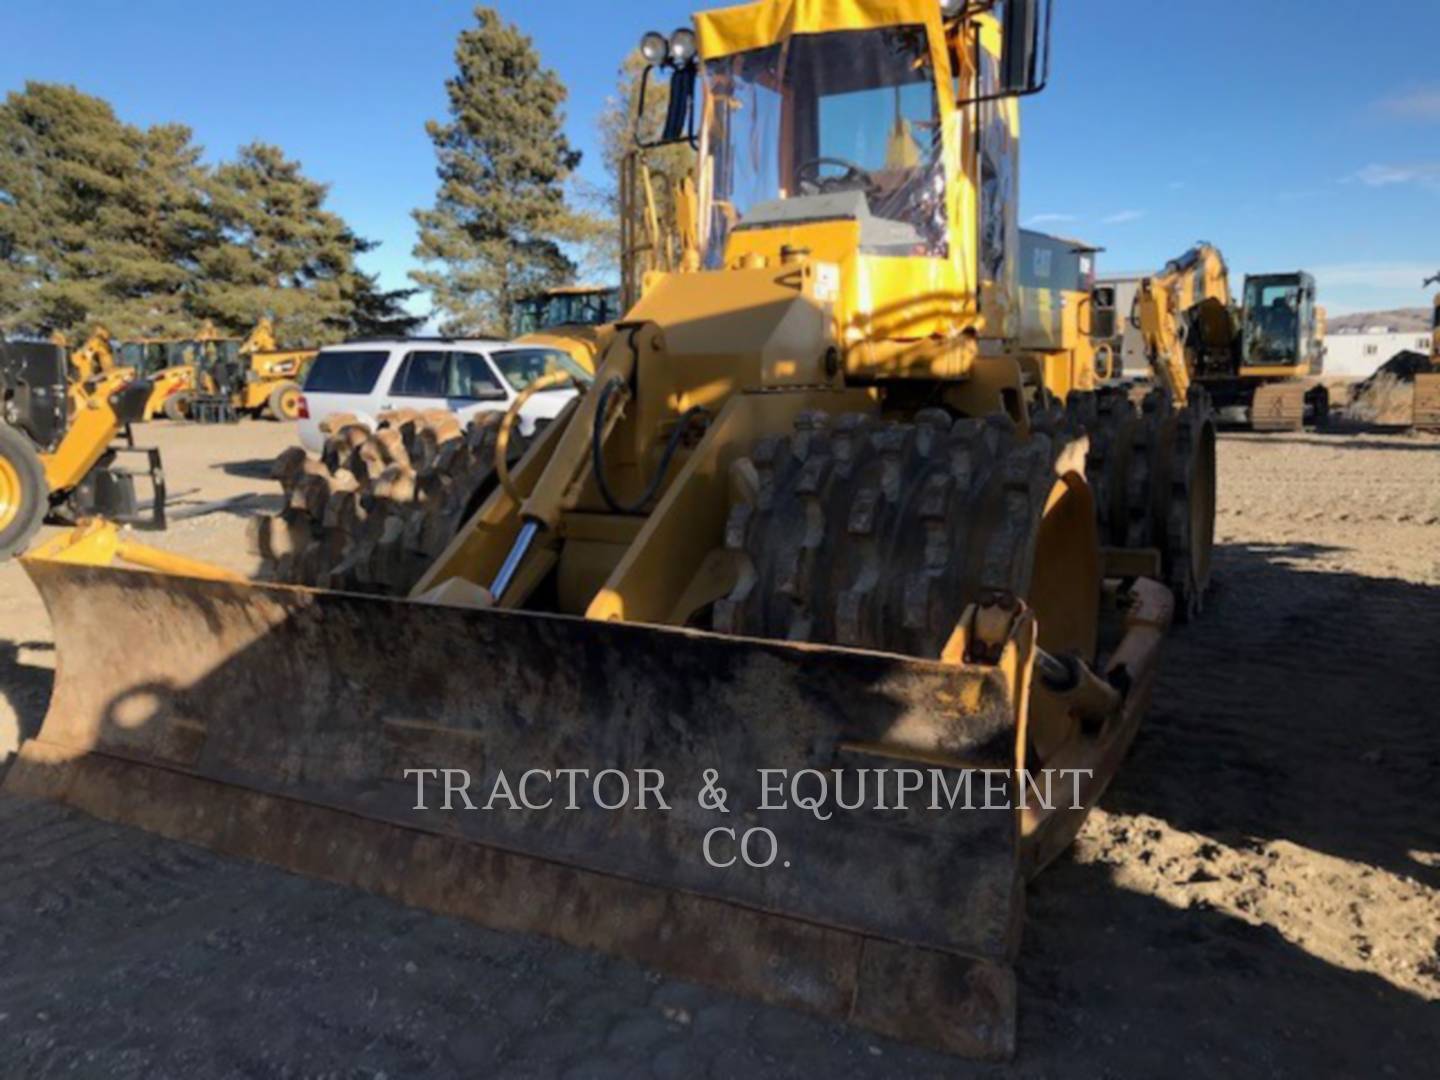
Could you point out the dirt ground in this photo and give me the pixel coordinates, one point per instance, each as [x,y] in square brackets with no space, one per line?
[1259,896]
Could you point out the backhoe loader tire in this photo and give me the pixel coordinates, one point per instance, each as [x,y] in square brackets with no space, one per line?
[283,404]
[24,493]
[376,509]
[878,535]
[179,406]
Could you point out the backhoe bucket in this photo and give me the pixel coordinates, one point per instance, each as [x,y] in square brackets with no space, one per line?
[278,724]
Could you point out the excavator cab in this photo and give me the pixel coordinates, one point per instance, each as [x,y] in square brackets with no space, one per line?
[1281,325]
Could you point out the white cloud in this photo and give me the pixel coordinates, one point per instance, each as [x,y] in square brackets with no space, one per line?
[1124,217]
[1380,176]
[1346,288]
[1052,219]
[1422,104]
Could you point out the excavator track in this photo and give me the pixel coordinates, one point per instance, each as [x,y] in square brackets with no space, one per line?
[376,509]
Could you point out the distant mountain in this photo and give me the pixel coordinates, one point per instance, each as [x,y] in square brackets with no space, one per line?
[1401,321]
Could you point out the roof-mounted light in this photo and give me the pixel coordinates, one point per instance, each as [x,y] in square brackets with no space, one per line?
[654,48]
[682,46]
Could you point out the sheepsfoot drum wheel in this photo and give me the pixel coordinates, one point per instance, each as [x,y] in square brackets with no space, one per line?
[24,494]
[284,403]
[882,537]
[376,509]
[1169,493]
[1152,470]
[878,535]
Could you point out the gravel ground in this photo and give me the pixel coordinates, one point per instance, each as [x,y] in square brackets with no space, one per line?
[1259,896]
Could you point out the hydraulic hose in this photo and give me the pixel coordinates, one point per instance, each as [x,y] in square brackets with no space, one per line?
[597,451]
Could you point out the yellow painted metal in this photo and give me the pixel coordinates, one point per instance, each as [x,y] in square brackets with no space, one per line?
[759,25]
[1197,285]
[271,368]
[653,581]
[507,426]
[93,427]
[1427,385]
[583,344]
[165,384]
[11,494]
[103,543]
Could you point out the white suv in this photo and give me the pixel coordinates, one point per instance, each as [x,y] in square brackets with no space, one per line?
[466,376]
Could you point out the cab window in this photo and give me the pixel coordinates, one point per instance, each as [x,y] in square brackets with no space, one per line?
[470,377]
[421,375]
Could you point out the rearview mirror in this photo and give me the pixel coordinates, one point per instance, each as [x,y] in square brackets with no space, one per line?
[1026,59]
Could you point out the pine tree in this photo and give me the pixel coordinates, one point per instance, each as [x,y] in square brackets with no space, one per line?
[169,226]
[500,218]
[280,252]
[377,312]
[66,163]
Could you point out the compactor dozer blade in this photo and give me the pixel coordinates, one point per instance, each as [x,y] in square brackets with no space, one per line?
[276,723]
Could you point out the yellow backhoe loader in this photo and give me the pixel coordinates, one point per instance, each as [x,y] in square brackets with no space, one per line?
[172,367]
[60,438]
[214,378]
[1427,384]
[811,528]
[268,383]
[1256,362]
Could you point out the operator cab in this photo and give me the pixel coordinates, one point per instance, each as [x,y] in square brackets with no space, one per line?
[570,306]
[843,125]
[1280,323]
[876,141]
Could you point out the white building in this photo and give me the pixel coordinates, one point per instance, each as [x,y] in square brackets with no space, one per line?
[1356,354]
[1128,341]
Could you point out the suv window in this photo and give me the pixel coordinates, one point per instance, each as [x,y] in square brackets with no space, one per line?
[345,372]
[421,375]
[522,367]
[471,378]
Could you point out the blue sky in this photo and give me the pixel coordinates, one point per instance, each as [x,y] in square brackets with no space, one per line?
[1292,133]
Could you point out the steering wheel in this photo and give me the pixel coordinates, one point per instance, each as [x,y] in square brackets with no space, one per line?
[808,175]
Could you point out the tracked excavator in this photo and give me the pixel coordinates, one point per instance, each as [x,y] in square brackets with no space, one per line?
[1255,361]
[811,517]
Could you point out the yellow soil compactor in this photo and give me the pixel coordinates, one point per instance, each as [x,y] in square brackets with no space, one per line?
[821,511]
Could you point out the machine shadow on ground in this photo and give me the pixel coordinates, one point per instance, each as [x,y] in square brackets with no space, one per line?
[1300,708]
